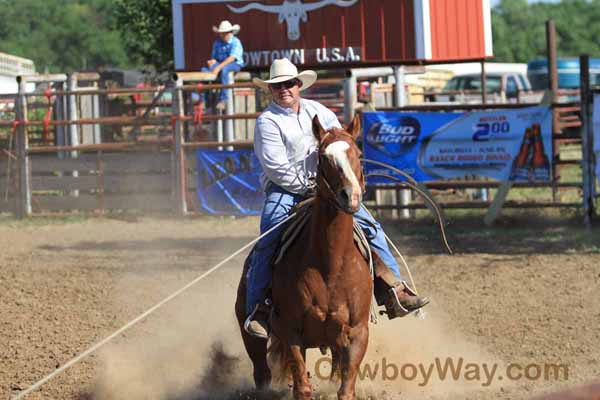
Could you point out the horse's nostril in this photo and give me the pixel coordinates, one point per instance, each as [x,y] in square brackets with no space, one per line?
[344,196]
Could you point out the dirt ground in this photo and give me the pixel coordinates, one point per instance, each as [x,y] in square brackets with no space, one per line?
[525,293]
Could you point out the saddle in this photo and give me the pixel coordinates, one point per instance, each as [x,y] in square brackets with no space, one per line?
[295,225]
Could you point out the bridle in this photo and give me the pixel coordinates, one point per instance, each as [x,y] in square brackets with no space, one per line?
[331,196]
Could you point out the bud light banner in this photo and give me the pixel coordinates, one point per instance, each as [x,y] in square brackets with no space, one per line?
[511,145]
[228,182]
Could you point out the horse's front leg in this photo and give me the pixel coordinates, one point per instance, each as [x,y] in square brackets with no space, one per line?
[351,357]
[302,387]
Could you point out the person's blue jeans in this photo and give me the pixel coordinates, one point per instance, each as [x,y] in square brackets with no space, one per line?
[224,77]
[277,206]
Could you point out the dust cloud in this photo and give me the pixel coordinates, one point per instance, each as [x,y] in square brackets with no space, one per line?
[192,350]
[188,350]
[405,356]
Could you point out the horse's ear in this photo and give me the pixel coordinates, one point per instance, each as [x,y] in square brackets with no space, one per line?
[318,130]
[354,126]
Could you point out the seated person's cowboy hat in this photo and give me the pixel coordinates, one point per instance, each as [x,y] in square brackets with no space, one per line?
[283,70]
[225,26]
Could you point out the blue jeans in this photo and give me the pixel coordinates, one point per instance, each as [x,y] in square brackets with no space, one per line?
[224,75]
[277,206]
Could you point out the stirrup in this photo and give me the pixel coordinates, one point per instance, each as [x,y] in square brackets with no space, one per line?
[251,322]
[393,306]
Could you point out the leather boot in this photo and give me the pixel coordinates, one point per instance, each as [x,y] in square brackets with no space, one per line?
[401,301]
[257,323]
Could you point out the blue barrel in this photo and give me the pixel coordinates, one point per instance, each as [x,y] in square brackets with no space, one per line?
[568,73]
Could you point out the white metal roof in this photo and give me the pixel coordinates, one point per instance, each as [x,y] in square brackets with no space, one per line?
[13,66]
[475,68]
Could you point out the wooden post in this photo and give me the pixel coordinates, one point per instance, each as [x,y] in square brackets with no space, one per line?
[586,140]
[553,87]
[72,108]
[496,207]
[229,110]
[399,90]
[22,144]
[179,151]
[101,184]
[61,115]
[483,83]
[552,70]
[73,128]
[350,97]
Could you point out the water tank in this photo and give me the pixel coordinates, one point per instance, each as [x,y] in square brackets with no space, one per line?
[568,73]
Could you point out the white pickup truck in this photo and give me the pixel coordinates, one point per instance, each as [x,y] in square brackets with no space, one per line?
[501,87]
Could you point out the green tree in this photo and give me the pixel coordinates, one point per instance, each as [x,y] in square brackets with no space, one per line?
[63,35]
[519,30]
[147,30]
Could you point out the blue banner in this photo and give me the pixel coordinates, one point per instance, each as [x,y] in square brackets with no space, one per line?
[511,144]
[228,182]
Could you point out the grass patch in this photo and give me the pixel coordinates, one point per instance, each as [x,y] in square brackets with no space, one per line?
[516,231]
[9,220]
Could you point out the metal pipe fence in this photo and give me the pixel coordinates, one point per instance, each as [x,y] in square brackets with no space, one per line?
[67,163]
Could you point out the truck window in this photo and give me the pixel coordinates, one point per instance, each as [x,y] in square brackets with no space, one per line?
[524,82]
[452,84]
[511,86]
[492,84]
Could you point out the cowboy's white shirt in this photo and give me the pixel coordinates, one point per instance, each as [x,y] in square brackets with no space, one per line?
[285,145]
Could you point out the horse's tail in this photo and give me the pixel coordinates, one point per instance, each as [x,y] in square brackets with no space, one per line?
[279,361]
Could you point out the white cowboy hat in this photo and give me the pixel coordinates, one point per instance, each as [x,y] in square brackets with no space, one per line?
[283,70]
[225,26]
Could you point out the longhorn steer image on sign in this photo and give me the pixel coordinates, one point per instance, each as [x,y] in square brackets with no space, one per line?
[291,11]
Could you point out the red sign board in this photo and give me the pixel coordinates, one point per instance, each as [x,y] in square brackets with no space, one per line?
[336,33]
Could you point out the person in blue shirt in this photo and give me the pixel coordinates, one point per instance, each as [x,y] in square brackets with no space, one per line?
[227,56]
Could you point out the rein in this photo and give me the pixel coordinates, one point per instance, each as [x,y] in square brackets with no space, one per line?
[332,199]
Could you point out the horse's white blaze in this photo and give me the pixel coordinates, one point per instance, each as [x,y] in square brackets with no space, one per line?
[337,152]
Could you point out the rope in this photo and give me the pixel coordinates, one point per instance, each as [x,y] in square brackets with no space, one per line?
[410,277]
[412,184]
[419,313]
[392,168]
[139,318]
[438,214]
[412,282]
[363,239]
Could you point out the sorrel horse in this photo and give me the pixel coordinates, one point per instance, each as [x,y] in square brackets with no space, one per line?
[322,288]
